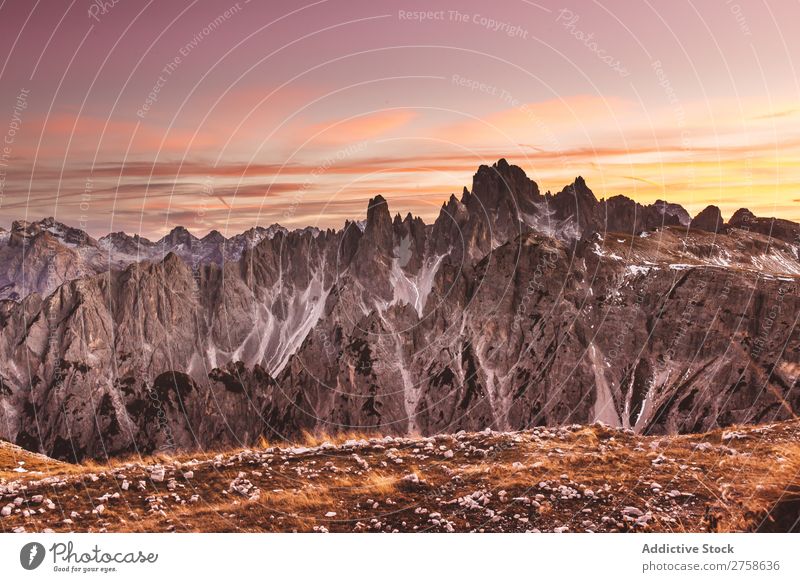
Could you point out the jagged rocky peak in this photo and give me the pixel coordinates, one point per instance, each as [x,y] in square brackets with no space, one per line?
[675,210]
[623,215]
[709,219]
[121,236]
[378,230]
[575,202]
[778,228]
[577,206]
[408,224]
[455,208]
[261,232]
[497,209]
[350,237]
[239,243]
[126,244]
[410,241]
[178,236]
[402,227]
[499,187]
[741,217]
[580,190]
[172,261]
[372,260]
[214,237]
[377,209]
[24,230]
[19,233]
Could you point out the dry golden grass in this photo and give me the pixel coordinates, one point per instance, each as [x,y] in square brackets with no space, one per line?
[11,456]
[310,439]
[752,488]
[762,491]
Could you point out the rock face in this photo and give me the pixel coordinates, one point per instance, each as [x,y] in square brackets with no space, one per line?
[709,219]
[784,230]
[513,309]
[38,257]
[675,210]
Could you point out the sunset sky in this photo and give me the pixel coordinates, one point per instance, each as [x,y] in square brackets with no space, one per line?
[139,115]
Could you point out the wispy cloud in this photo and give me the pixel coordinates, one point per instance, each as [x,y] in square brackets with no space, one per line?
[360,127]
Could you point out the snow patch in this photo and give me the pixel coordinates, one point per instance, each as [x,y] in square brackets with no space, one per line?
[604,410]
[414,289]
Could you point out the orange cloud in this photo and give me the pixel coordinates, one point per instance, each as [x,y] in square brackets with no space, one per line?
[86,134]
[359,128]
[545,120]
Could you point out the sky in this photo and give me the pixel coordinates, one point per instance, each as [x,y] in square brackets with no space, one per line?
[138,115]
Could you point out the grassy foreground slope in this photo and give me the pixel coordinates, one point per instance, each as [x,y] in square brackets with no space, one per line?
[569,479]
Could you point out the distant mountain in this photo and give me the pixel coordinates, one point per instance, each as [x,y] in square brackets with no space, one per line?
[513,309]
[38,257]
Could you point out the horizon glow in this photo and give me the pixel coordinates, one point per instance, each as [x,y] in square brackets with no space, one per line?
[224,115]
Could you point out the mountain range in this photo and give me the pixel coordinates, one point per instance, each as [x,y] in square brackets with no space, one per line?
[514,309]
